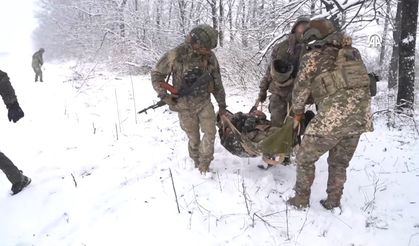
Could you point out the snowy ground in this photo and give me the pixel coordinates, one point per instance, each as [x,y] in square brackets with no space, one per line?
[122,193]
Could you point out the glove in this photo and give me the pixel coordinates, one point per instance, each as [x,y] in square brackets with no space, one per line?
[15,112]
[297,119]
[170,100]
[262,96]
[375,76]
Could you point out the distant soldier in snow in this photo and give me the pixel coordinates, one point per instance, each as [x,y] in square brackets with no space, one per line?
[333,73]
[37,62]
[194,68]
[281,72]
[15,176]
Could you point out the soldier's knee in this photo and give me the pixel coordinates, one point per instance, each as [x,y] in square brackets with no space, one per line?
[339,161]
[207,120]
[209,128]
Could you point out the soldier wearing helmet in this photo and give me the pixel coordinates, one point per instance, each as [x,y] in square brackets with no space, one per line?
[37,62]
[333,74]
[281,72]
[196,113]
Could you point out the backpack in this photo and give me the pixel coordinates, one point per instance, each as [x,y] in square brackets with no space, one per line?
[349,73]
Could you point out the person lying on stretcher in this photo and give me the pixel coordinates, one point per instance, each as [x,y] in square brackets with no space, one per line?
[251,135]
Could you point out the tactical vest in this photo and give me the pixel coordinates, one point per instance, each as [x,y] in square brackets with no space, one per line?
[349,73]
[191,70]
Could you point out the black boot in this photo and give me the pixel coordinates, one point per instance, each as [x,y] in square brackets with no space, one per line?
[18,187]
[287,161]
[330,204]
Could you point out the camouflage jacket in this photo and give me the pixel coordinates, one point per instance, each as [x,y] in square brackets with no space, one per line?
[343,113]
[37,59]
[178,62]
[6,90]
[281,51]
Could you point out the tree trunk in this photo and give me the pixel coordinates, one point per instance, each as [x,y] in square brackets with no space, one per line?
[243,24]
[221,23]
[405,94]
[214,18]
[230,19]
[343,20]
[121,18]
[313,8]
[260,23]
[158,14]
[394,62]
[384,38]
[169,22]
[182,15]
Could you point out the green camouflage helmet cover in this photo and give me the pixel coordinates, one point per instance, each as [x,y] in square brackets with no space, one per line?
[319,29]
[301,19]
[204,35]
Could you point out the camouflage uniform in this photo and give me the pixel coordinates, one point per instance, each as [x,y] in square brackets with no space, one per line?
[37,62]
[280,84]
[343,115]
[196,113]
[7,93]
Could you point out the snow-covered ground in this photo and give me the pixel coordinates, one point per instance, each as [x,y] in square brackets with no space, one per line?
[100,179]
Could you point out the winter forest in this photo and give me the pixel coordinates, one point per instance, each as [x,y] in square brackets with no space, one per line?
[135,33]
[92,170]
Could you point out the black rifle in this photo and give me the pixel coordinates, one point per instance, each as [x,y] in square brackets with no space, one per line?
[203,80]
[154,106]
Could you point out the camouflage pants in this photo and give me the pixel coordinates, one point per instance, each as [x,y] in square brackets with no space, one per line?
[341,151]
[38,72]
[278,107]
[192,123]
[12,172]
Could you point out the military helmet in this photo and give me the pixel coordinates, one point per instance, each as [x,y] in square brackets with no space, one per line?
[301,19]
[204,35]
[318,29]
[42,50]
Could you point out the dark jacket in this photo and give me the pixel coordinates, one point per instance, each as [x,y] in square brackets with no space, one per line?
[6,90]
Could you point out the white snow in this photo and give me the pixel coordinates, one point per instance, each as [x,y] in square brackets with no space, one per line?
[124,193]
[408,39]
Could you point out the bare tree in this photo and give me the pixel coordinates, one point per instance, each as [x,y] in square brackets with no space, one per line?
[409,20]
[120,32]
[214,17]
[221,23]
[387,17]
[394,62]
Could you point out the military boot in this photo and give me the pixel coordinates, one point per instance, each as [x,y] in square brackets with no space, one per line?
[203,167]
[330,203]
[18,187]
[286,161]
[335,183]
[302,190]
[300,200]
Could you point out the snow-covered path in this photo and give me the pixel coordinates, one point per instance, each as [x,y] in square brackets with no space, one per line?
[94,186]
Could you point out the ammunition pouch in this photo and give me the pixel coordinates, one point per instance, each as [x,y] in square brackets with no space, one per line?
[348,75]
